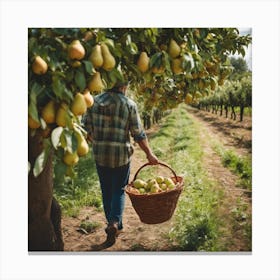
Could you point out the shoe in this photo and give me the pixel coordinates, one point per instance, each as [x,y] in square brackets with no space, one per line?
[112,232]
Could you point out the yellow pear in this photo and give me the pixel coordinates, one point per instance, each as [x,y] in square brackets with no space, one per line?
[83,147]
[76,64]
[177,66]
[88,98]
[96,57]
[62,115]
[49,112]
[70,158]
[79,106]
[174,49]
[143,62]
[188,99]
[109,61]
[96,84]
[33,123]
[76,50]
[39,65]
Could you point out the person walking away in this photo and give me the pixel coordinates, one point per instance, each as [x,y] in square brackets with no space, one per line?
[110,122]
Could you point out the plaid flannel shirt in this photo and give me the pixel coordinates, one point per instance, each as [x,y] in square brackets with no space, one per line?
[110,122]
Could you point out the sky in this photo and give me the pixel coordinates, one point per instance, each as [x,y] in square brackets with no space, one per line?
[248,55]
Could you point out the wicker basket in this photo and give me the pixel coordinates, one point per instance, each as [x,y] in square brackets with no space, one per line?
[159,207]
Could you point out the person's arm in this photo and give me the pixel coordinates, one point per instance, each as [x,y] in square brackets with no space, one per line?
[144,145]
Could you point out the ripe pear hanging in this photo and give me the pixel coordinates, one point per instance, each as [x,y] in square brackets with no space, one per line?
[76,50]
[177,66]
[33,123]
[82,148]
[39,65]
[79,106]
[143,62]
[174,49]
[96,84]
[49,112]
[109,61]
[62,116]
[88,98]
[70,158]
[96,57]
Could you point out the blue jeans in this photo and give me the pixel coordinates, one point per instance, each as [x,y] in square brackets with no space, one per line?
[113,182]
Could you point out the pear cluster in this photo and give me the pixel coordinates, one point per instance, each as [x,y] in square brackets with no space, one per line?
[100,57]
[152,186]
[55,114]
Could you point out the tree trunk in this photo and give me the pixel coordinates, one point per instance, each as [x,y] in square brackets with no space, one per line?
[44,214]
[221,110]
[241,113]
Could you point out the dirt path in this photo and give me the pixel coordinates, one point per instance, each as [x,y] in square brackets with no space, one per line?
[142,237]
[234,136]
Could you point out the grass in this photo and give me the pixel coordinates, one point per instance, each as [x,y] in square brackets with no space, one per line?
[239,165]
[81,191]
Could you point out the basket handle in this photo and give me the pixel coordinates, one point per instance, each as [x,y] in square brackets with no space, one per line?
[160,163]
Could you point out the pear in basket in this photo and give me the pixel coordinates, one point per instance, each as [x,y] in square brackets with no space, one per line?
[138,183]
[160,179]
[163,186]
[169,182]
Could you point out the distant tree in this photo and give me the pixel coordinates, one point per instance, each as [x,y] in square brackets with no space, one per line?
[239,65]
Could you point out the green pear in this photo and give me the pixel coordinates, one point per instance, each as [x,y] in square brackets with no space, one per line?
[79,105]
[143,62]
[155,188]
[174,49]
[142,190]
[159,179]
[109,61]
[49,112]
[95,84]
[96,57]
[163,186]
[138,183]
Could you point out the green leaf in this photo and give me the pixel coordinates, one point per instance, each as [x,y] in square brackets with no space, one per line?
[58,87]
[55,136]
[40,162]
[59,171]
[68,138]
[80,80]
[88,67]
[74,143]
[154,59]
[32,111]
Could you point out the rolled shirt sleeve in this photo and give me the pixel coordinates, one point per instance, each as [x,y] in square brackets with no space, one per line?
[136,129]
